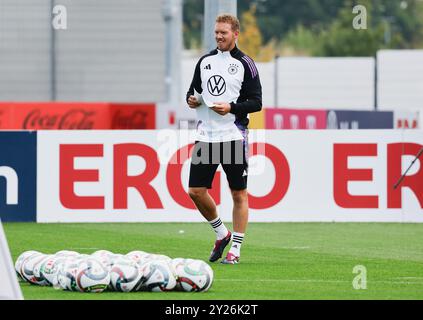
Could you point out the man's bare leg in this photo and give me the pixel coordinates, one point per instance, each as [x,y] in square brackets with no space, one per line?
[204,202]
[240,210]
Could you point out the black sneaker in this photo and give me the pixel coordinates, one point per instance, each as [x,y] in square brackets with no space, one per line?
[219,246]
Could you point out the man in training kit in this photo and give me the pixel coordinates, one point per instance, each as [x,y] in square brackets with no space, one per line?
[225,88]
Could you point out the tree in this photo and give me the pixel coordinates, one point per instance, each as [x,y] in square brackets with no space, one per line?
[403,20]
[299,41]
[318,27]
[341,39]
[193,16]
[275,17]
[250,37]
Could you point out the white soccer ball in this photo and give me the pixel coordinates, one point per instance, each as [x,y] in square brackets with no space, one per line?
[51,266]
[176,262]
[100,253]
[39,272]
[105,260]
[137,256]
[144,259]
[126,276]
[161,257]
[193,275]
[105,257]
[116,257]
[18,264]
[153,257]
[122,260]
[27,269]
[92,276]
[66,275]
[66,253]
[158,276]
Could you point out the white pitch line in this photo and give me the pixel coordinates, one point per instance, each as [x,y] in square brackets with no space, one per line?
[315,281]
[279,280]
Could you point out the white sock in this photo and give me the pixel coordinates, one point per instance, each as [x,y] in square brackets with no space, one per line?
[219,228]
[237,239]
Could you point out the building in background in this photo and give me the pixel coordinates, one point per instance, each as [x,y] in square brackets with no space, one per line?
[110,51]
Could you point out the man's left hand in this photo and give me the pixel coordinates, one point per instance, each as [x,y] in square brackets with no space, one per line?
[221,108]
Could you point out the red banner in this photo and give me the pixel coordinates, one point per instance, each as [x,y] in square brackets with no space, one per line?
[133,116]
[76,116]
[295,119]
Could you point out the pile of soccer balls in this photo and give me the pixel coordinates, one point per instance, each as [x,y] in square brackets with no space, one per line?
[104,270]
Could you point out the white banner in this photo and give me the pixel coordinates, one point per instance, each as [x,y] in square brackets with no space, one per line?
[318,175]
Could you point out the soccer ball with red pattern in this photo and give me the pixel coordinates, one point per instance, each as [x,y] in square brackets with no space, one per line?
[193,275]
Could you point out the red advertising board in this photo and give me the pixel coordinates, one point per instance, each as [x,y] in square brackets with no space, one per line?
[4,115]
[133,116]
[295,119]
[76,116]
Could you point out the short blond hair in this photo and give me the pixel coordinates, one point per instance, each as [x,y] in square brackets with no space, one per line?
[228,18]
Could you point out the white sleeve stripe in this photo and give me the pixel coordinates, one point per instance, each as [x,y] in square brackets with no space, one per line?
[251,65]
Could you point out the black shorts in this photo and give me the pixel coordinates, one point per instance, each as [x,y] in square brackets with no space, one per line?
[206,157]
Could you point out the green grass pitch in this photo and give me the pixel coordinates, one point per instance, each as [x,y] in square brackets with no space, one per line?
[279,260]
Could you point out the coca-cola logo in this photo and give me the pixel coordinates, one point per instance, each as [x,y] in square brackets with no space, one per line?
[73,119]
[134,120]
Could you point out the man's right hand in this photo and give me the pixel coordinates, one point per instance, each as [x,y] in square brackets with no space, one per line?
[193,102]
